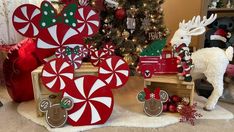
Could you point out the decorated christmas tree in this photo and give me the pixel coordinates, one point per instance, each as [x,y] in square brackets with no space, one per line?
[128,25]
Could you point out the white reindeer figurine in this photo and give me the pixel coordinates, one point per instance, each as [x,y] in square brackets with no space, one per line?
[211,62]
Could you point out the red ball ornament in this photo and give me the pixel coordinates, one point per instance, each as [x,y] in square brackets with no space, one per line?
[165,107]
[176,99]
[172,108]
[120,14]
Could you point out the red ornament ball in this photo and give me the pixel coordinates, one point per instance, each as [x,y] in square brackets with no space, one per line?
[120,14]
[172,108]
[176,99]
[165,107]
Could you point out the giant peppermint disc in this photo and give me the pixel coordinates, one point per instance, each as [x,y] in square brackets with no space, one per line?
[114,70]
[25,20]
[93,101]
[56,74]
[59,35]
[87,21]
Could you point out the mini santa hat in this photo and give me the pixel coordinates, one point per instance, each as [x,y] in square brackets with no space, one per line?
[220,34]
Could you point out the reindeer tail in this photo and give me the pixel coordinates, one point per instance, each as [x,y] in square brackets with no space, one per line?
[229,53]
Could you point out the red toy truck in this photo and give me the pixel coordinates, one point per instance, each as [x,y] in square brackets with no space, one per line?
[164,64]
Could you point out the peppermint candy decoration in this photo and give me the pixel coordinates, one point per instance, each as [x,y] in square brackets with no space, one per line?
[90,48]
[25,20]
[97,57]
[57,36]
[56,74]
[109,49]
[74,60]
[60,52]
[87,21]
[115,71]
[93,101]
[83,52]
[83,2]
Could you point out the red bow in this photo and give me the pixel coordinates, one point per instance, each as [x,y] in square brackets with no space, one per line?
[149,95]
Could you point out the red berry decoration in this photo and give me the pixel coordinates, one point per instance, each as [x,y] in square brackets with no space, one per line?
[97,57]
[74,60]
[165,107]
[26,19]
[56,74]
[93,101]
[115,71]
[88,21]
[120,14]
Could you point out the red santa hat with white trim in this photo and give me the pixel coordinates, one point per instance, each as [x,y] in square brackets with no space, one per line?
[220,34]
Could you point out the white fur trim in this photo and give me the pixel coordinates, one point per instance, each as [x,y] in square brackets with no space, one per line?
[229,53]
[218,37]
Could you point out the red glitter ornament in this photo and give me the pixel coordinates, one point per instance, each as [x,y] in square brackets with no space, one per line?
[120,13]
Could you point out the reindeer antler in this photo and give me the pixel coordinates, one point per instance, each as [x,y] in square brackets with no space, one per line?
[196,22]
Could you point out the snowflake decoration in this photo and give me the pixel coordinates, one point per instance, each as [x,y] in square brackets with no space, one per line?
[145,24]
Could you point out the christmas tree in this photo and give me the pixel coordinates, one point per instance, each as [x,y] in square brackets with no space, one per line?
[129,25]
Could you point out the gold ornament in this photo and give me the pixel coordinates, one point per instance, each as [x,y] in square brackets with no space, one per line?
[128,59]
[125,34]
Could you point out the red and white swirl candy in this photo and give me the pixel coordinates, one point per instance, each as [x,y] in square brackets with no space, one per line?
[97,57]
[109,49]
[115,71]
[74,60]
[60,52]
[83,52]
[56,74]
[90,48]
[59,35]
[26,19]
[93,101]
[88,21]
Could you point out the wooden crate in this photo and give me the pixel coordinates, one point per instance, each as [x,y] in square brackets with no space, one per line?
[41,92]
[171,85]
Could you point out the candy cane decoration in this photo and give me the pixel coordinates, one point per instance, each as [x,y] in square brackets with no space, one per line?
[60,52]
[74,60]
[93,101]
[109,49]
[88,21]
[53,38]
[97,57]
[56,74]
[115,71]
[26,20]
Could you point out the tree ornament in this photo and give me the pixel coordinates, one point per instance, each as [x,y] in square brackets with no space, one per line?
[128,59]
[115,71]
[112,3]
[145,25]
[125,34]
[109,48]
[90,48]
[57,74]
[93,101]
[120,13]
[25,20]
[131,24]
